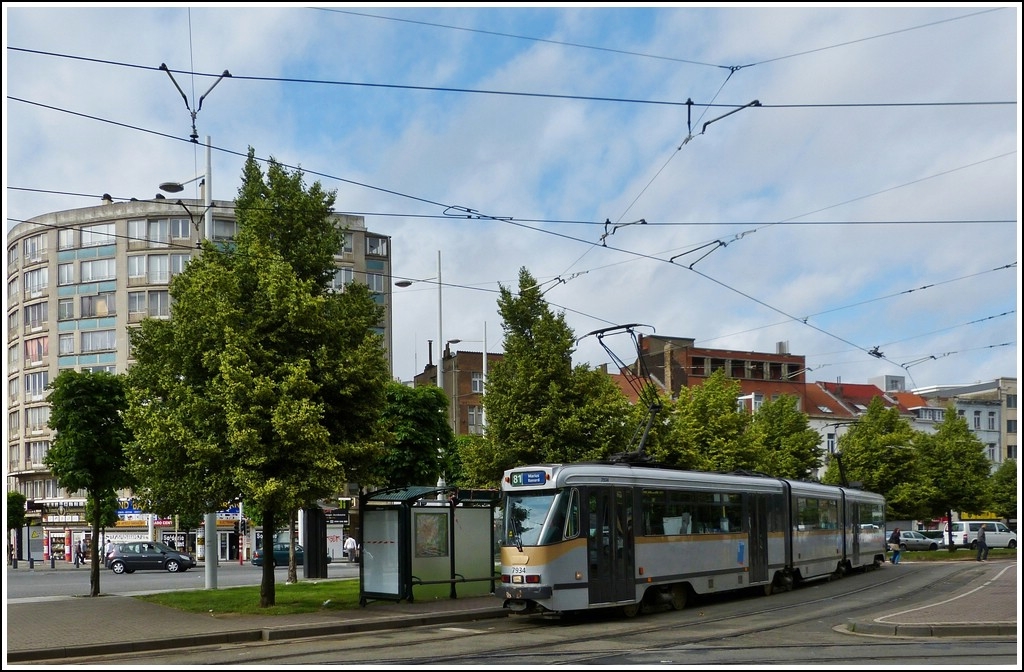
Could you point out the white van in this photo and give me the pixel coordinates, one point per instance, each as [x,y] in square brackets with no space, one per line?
[997,535]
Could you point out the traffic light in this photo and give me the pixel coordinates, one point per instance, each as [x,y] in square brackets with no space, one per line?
[245,526]
[237,529]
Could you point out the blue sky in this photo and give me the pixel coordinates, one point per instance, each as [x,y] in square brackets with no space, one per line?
[870,199]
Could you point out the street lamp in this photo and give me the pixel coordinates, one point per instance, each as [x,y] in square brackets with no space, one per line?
[176,187]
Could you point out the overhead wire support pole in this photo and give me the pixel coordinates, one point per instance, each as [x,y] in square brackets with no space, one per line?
[195,133]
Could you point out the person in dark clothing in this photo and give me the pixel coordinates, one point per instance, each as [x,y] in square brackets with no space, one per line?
[982,544]
[894,546]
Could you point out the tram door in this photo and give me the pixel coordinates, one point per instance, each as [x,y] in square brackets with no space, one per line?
[757,540]
[610,545]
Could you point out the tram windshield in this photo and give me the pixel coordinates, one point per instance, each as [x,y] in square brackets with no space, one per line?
[542,518]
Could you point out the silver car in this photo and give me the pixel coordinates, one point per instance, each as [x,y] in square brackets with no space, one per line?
[911,540]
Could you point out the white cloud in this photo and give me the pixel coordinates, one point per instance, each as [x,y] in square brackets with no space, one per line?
[752,179]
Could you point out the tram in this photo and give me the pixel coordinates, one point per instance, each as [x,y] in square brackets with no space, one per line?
[624,535]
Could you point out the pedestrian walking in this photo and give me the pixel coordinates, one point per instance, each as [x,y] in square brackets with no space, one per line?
[350,548]
[894,546]
[982,544]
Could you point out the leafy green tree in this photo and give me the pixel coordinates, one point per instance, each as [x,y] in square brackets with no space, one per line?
[540,408]
[263,384]
[88,452]
[416,424]
[953,461]
[706,431]
[879,453]
[15,511]
[1003,490]
[785,444]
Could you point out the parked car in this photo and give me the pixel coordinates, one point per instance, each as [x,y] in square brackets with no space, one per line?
[912,540]
[126,558]
[280,555]
[938,535]
[997,535]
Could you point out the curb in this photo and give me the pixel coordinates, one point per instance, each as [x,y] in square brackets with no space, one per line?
[1001,629]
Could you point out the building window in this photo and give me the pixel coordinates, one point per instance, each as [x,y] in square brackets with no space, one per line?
[137,266]
[12,290]
[66,345]
[757,402]
[66,239]
[65,309]
[99,269]
[36,282]
[1011,426]
[36,418]
[830,443]
[159,304]
[1011,451]
[12,389]
[178,263]
[12,324]
[37,349]
[97,234]
[158,233]
[136,303]
[1011,401]
[977,419]
[180,227]
[12,255]
[36,315]
[37,453]
[158,269]
[376,246]
[35,248]
[35,385]
[476,419]
[477,382]
[65,274]
[346,243]
[12,358]
[342,277]
[100,305]
[375,281]
[224,229]
[103,368]
[98,341]
[991,419]
[14,422]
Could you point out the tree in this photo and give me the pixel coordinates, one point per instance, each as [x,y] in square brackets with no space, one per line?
[264,384]
[15,515]
[1003,490]
[88,452]
[785,445]
[706,432]
[878,452]
[953,461]
[416,424]
[539,407]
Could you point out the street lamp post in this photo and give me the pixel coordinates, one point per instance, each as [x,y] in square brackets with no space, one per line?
[210,523]
[175,187]
[440,323]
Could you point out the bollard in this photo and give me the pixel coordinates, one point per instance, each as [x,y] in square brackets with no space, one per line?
[31,563]
[53,562]
[14,563]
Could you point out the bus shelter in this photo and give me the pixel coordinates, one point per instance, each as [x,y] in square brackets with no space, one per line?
[430,539]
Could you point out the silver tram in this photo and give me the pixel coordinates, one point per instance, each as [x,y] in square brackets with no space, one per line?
[597,535]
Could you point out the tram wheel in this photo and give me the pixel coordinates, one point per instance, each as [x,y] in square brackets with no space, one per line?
[769,588]
[678,599]
[631,610]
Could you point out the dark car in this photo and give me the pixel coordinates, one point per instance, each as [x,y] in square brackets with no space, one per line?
[127,557]
[280,555]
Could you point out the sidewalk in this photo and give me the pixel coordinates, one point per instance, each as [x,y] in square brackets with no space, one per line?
[52,629]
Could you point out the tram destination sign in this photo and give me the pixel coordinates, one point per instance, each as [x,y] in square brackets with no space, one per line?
[521,478]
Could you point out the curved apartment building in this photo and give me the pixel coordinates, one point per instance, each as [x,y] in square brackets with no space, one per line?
[76,281]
